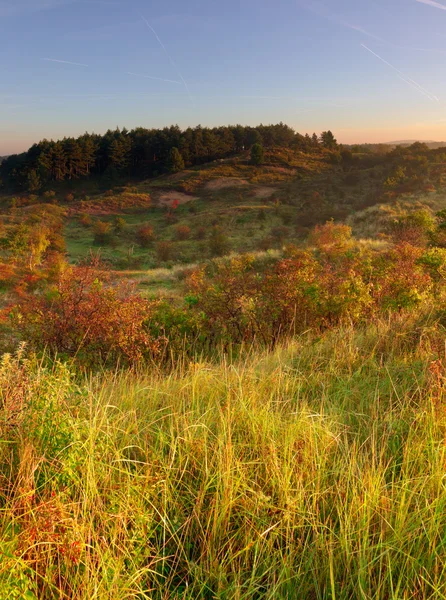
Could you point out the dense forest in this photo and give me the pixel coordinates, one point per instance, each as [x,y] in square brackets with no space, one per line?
[143,152]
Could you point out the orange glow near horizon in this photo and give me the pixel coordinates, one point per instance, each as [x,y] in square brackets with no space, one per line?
[15,143]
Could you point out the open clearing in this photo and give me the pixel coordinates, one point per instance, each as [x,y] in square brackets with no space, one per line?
[225,182]
[168,198]
[265,192]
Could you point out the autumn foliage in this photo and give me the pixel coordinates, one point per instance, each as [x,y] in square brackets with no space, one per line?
[87,314]
[81,311]
[145,235]
[336,282]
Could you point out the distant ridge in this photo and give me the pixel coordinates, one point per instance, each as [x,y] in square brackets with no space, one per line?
[409,142]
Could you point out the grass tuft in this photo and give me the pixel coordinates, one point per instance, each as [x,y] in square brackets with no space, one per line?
[313,471]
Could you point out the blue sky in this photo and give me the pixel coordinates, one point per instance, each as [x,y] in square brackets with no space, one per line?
[370,70]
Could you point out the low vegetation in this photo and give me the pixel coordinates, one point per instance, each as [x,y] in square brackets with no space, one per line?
[238,394]
[313,471]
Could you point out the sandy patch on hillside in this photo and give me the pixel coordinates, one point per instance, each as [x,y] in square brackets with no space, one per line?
[225,182]
[168,198]
[264,192]
[287,170]
[178,176]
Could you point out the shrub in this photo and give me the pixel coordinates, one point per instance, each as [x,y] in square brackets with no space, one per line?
[164,251]
[218,242]
[339,282]
[434,261]
[200,234]
[85,220]
[416,228]
[119,225]
[145,235]
[49,195]
[182,232]
[397,178]
[335,158]
[102,232]
[347,155]
[257,154]
[400,281]
[331,237]
[69,197]
[88,315]
[57,242]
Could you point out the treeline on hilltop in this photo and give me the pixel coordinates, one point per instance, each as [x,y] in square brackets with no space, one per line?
[142,152]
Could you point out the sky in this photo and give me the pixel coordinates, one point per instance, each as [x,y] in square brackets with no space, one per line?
[369,70]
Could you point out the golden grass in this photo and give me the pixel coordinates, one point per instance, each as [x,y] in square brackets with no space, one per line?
[314,471]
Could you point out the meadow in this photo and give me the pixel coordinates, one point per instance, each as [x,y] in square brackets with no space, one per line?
[227,382]
[312,471]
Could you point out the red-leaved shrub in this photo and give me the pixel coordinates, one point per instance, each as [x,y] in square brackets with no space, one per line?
[87,314]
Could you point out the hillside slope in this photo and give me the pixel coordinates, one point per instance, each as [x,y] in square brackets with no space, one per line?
[232,206]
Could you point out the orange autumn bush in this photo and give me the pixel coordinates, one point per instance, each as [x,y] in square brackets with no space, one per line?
[299,292]
[85,313]
[336,282]
[401,278]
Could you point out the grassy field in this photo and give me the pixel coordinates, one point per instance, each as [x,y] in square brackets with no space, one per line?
[256,207]
[314,471]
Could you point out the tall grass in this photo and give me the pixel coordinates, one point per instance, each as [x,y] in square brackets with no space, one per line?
[315,471]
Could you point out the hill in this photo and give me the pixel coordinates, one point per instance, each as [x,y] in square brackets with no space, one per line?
[430,143]
[226,381]
[229,205]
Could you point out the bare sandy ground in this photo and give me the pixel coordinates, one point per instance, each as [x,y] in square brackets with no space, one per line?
[225,182]
[167,198]
[286,170]
[264,192]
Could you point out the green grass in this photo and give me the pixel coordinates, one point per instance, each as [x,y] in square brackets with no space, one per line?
[232,210]
[293,176]
[314,471]
[307,190]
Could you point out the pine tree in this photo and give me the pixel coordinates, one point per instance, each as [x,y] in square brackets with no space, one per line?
[33,181]
[252,137]
[175,162]
[328,140]
[257,154]
[119,153]
[59,162]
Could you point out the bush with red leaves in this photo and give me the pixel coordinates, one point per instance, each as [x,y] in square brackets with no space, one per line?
[86,314]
